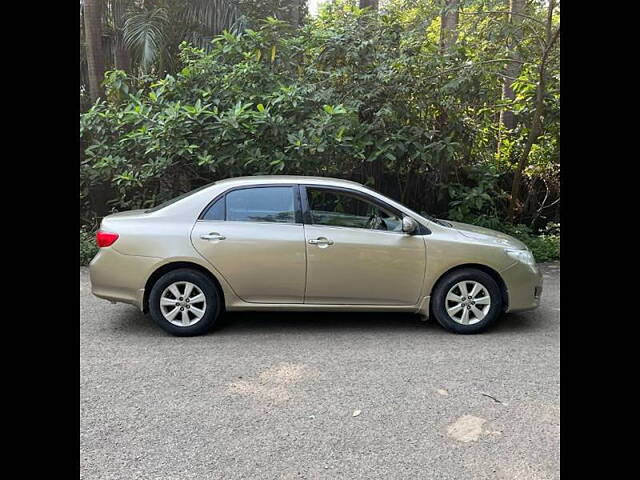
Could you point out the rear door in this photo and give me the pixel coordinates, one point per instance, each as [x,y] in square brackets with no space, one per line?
[357,253]
[255,238]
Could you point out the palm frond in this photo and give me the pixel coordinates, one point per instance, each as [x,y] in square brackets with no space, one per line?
[144,35]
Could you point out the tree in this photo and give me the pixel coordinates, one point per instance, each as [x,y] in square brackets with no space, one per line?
[141,36]
[516,10]
[449,24]
[535,129]
[373,98]
[93,39]
[118,10]
[448,37]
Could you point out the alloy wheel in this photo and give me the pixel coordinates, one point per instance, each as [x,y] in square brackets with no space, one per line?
[183,304]
[468,302]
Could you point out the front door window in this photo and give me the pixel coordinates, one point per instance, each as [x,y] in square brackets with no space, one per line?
[342,209]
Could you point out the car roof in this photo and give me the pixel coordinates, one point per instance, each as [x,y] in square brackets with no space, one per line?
[201,197]
[258,179]
[206,192]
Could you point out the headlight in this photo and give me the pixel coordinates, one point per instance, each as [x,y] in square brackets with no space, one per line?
[522,256]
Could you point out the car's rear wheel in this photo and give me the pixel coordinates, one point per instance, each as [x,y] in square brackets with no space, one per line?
[184,302]
[466,301]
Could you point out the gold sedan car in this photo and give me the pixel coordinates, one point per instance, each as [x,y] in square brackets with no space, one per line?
[306,243]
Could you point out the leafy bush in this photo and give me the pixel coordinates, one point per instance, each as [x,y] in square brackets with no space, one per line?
[545,246]
[263,102]
[356,95]
[353,94]
[478,202]
[88,247]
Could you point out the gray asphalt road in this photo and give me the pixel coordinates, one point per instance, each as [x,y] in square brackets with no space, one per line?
[272,395]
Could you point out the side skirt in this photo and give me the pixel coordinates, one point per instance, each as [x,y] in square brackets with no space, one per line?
[301,307]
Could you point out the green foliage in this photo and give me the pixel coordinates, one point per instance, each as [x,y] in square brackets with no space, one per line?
[88,247]
[545,245]
[352,94]
[144,34]
[328,101]
[479,203]
[292,11]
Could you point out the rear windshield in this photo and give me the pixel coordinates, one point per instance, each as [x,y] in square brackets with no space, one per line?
[179,197]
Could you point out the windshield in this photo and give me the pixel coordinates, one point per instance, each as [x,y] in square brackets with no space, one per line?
[179,197]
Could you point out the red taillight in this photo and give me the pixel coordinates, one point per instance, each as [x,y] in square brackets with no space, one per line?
[104,239]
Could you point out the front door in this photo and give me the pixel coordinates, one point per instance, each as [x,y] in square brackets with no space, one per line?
[252,237]
[357,253]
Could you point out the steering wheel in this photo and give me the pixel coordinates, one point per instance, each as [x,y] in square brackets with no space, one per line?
[376,222]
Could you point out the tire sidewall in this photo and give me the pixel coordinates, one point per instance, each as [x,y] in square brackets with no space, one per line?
[208,289]
[439,300]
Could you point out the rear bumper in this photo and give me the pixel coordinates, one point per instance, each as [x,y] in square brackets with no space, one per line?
[120,278]
[524,287]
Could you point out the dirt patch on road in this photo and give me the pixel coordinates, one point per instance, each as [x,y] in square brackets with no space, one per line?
[466,429]
[272,385]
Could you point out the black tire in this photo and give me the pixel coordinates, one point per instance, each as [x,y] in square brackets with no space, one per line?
[210,291]
[439,303]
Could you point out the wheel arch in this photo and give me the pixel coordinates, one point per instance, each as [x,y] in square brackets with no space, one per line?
[168,267]
[484,268]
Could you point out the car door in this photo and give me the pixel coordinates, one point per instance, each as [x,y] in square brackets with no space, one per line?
[357,253]
[254,237]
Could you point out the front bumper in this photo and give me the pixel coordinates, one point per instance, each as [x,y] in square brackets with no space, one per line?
[120,278]
[524,286]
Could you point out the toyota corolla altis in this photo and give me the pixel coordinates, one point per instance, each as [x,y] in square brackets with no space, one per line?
[306,243]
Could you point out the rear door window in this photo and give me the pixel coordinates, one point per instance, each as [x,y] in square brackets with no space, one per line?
[262,204]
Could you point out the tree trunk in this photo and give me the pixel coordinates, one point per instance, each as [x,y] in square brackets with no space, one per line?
[534,133]
[448,37]
[121,53]
[295,13]
[123,60]
[93,39]
[449,25]
[369,3]
[516,9]
[536,124]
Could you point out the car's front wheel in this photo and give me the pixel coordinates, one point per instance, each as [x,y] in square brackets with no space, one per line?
[466,301]
[184,302]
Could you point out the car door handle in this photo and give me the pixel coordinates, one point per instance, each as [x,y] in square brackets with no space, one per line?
[321,241]
[213,236]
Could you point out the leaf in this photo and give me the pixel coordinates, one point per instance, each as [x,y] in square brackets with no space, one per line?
[260,107]
[144,35]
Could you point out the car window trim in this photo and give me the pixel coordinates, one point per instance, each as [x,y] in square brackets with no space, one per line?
[296,203]
[308,220]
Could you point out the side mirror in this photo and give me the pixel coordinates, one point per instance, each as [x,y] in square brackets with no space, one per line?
[409,225]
